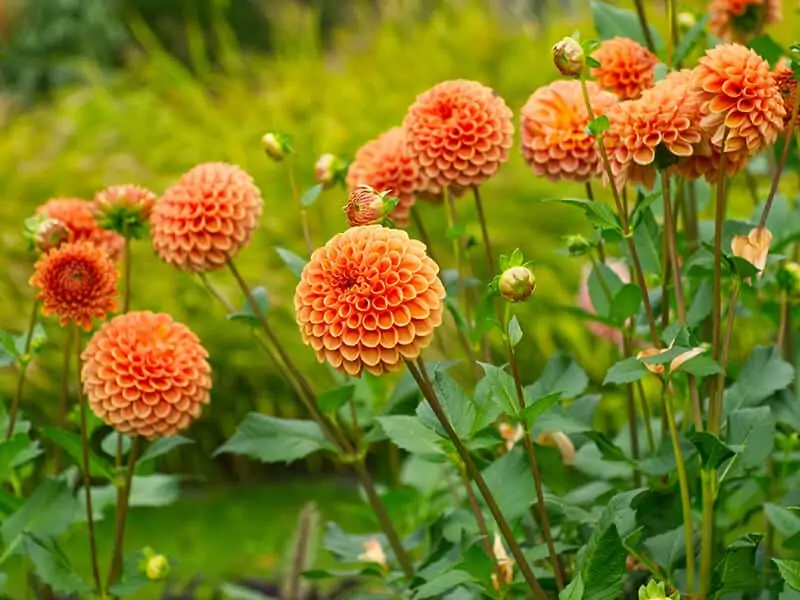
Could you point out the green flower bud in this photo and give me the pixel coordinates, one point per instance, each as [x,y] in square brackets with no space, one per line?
[577,245]
[276,145]
[569,57]
[157,567]
[517,284]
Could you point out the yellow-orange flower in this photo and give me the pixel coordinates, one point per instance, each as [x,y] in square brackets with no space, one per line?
[626,67]
[459,133]
[76,281]
[368,299]
[144,374]
[738,94]
[77,215]
[555,143]
[662,120]
[206,217]
[384,164]
[735,20]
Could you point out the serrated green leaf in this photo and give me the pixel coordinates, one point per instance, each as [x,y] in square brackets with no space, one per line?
[602,561]
[701,305]
[736,572]
[765,373]
[625,371]
[291,260]
[509,478]
[608,449]
[247,314]
[713,452]
[49,511]
[332,400]
[539,406]
[701,366]
[514,331]
[458,407]
[270,439]
[52,566]
[600,215]
[604,284]
[561,375]
[626,302]
[494,394]
[790,571]
[410,434]
[445,582]
[751,432]
[72,445]
[163,446]
[311,195]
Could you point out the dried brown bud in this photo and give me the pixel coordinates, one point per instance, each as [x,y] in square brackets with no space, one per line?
[569,58]
[517,284]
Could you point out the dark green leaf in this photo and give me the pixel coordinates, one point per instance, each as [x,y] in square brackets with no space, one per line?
[610,22]
[443,583]
[71,444]
[539,406]
[701,366]
[608,449]
[626,371]
[20,448]
[701,305]
[52,566]
[291,260]
[790,571]
[49,511]
[494,394]
[751,432]
[667,548]
[663,461]
[509,478]
[457,406]
[626,302]
[561,375]
[109,443]
[690,39]
[736,572]
[310,196]
[333,400]
[602,561]
[768,49]
[600,215]
[604,284]
[270,439]
[646,239]
[162,446]
[411,435]
[764,374]
[574,591]
[712,451]
[247,314]
[514,331]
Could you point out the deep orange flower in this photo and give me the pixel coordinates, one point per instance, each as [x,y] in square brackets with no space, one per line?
[206,217]
[384,164]
[662,120]
[145,374]
[459,133]
[369,298]
[738,93]
[76,281]
[626,67]
[787,84]
[735,20]
[77,215]
[555,143]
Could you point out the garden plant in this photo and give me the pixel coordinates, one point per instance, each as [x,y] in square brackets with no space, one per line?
[507,485]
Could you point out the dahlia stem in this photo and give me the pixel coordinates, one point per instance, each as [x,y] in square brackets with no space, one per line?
[487,244]
[601,251]
[303,211]
[126,301]
[63,398]
[481,522]
[648,427]
[684,487]
[690,226]
[630,406]
[648,37]
[680,303]
[707,531]
[787,143]
[543,519]
[782,323]
[123,501]
[423,233]
[451,225]
[623,215]
[87,478]
[671,33]
[423,382]
[24,361]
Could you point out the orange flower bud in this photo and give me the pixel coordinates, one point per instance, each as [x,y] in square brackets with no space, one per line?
[753,247]
[51,233]
[324,170]
[373,553]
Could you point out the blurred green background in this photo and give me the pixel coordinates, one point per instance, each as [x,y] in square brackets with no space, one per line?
[101,92]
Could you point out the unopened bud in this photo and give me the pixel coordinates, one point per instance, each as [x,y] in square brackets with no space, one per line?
[276,145]
[157,567]
[51,233]
[366,206]
[517,284]
[323,170]
[125,209]
[569,58]
[577,245]
[686,21]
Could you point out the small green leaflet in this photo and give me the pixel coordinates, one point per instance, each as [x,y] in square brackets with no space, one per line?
[291,260]
[600,215]
[247,313]
[310,196]
[514,331]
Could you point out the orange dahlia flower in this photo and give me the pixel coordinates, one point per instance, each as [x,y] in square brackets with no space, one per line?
[124,208]
[555,143]
[384,164]
[662,120]
[459,133]
[78,216]
[145,374]
[626,67]
[738,94]
[76,281]
[787,84]
[368,299]
[206,217]
[735,20]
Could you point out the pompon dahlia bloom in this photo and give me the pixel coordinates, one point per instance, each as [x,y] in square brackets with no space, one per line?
[738,93]
[602,330]
[662,122]
[78,216]
[124,208]
[735,20]
[626,67]
[384,164]
[368,299]
[76,281]
[459,133]
[145,374]
[206,217]
[555,143]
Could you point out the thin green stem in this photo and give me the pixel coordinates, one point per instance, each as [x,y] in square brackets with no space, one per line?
[423,232]
[356,430]
[418,373]
[301,208]
[707,532]
[601,250]
[648,37]
[121,515]
[683,482]
[24,361]
[782,323]
[787,143]
[87,479]
[543,519]
[481,522]
[672,33]
[630,407]
[452,222]
[648,426]
[126,300]
[487,244]
[63,397]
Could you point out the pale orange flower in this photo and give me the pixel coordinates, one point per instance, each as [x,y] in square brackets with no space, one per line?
[505,564]
[664,118]
[459,133]
[738,94]
[144,374]
[206,217]
[368,299]
[555,143]
[753,247]
[626,67]
[373,553]
[77,215]
[675,363]
[121,203]
[76,281]
[736,20]
[560,440]
[384,164]
[510,433]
